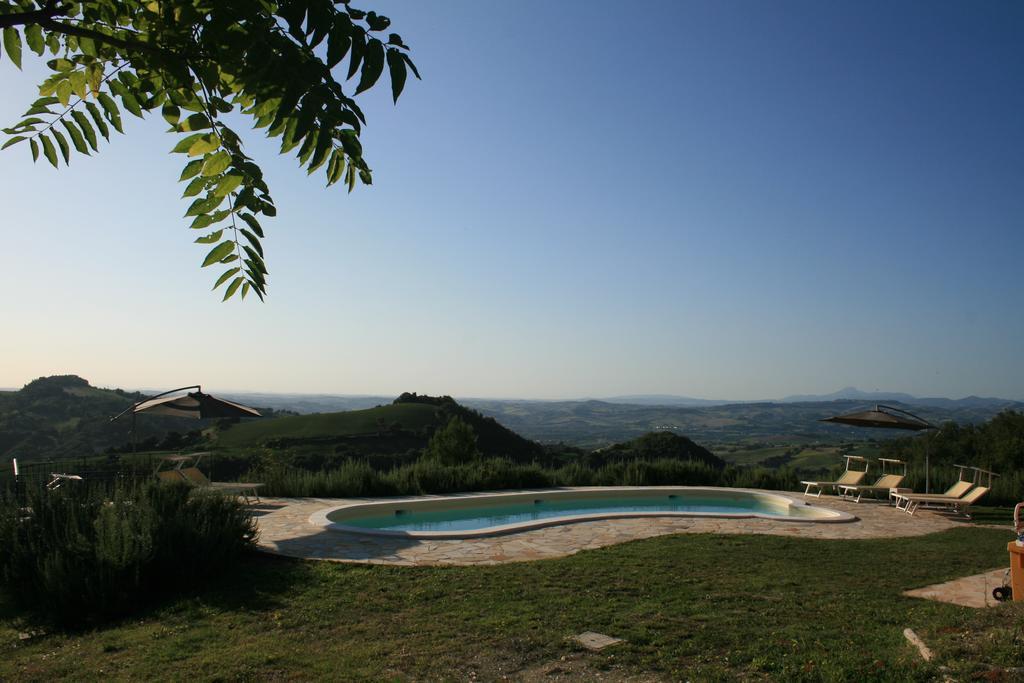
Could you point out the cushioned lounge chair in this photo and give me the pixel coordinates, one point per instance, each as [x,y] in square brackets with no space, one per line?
[884,484]
[954,492]
[194,476]
[849,478]
[913,501]
[171,477]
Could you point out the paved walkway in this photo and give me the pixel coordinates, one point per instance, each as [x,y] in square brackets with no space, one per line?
[285,530]
[970,591]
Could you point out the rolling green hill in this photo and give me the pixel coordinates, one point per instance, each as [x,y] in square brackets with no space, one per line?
[60,417]
[407,417]
[389,434]
[63,416]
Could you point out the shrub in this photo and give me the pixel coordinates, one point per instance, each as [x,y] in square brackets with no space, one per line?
[453,444]
[357,478]
[87,552]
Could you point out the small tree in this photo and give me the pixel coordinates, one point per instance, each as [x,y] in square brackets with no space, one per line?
[284,64]
[453,444]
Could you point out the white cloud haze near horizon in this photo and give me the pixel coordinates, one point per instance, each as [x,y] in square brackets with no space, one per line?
[759,203]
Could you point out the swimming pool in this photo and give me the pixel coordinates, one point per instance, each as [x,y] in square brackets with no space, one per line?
[474,515]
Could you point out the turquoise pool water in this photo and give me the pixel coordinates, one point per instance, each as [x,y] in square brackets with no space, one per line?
[485,515]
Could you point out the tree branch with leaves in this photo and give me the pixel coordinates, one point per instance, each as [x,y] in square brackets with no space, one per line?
[285,64]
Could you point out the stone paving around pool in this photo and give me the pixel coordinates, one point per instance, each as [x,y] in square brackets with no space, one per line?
[285,530]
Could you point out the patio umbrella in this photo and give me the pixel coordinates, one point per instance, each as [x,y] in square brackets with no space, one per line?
[195,405]
[887,417]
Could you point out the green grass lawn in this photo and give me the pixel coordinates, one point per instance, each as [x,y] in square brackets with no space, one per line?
[409,416]
[701,607]
[817,458]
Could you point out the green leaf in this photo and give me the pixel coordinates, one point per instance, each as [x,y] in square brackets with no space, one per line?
[34,38]
[196,186]
[373,65]
[253,240]
[358,49]
[30,121]
[323,148]
[63,65]
[76,136]
[396,66]
[308,145]
[95,78]
[191,169]
[336,167]
[131,104]
[212,238]
[245,289]
[225,276]
[13,141]
[35,149]
[196,122]
[63,91]
[233,287]
[201,222]
[253,223]
[62,142]
[203,145]
[338,42]
[216,163]
[377,22]
[255,261]
[78,83]
[203,205]
[128,99]
[12,44]
[171,113]
[350,141]
[412,66]
[87,46]
[48,151]
[227,184]
[110,107]
[218,252]
[97,118]
[185,144]
[86,126]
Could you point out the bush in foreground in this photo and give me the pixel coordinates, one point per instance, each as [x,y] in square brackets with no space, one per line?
[82,553]
[356,478]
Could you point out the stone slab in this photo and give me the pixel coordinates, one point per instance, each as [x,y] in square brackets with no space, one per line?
[969,591]
[596,641]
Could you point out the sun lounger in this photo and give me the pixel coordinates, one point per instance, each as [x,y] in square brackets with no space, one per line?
[194,476]
[885,484]
[954,493]
[913,501]
[849,478]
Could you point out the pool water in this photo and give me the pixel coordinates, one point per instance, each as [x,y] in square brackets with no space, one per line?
[463,518]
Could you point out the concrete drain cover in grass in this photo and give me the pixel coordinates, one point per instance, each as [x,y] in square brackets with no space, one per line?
[596,641]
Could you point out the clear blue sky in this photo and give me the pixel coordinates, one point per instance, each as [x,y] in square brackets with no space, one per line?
[716,199]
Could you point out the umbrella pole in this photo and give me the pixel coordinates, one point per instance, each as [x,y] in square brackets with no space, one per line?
[927,468]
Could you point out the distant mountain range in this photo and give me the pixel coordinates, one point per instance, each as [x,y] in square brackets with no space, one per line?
[65,415]
[319,403]
[845,394]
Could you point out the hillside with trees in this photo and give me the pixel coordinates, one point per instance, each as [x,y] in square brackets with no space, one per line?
[63,416]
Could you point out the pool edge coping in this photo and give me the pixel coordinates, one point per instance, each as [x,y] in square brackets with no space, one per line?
[320,517]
